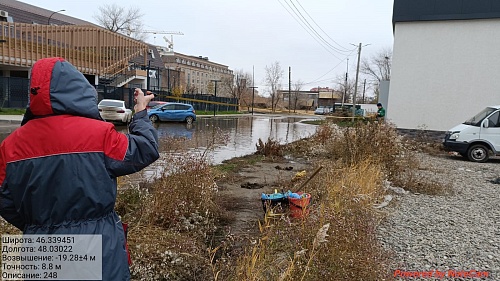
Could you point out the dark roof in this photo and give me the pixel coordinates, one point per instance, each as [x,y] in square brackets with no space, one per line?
[26,13]
[427,10]
[154,59]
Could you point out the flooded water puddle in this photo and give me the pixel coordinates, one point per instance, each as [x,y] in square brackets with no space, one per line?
[226,137]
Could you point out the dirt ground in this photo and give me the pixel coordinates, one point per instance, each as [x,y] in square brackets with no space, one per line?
[240,192]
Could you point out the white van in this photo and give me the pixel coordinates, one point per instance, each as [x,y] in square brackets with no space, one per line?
[477,138]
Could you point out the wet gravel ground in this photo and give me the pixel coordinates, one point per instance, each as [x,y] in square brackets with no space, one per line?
[447,237]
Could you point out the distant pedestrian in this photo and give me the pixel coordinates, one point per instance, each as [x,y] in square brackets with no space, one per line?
[380,112]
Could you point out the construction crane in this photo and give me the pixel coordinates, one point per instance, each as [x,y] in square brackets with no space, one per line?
[170,43]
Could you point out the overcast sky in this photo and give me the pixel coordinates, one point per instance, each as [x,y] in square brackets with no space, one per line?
[255,33]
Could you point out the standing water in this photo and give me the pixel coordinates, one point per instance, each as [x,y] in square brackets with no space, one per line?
[241,133]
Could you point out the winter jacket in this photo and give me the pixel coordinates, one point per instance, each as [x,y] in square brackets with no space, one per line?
[58,170]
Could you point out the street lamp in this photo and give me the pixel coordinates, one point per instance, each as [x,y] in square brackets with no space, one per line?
[215,93]
[388,70]
[48,21]
[253,86]
[253,96]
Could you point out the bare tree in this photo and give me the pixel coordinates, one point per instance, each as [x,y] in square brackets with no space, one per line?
[243,83]
[274,74]
[120,20]
[297,87]
[377,68]
[345,87]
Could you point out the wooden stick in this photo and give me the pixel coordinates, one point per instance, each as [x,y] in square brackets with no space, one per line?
[307,181]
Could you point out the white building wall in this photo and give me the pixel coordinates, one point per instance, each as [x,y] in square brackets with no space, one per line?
[443,72]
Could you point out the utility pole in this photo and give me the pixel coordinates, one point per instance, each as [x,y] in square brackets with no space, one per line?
[356,85]
[345,84]
[289,88]
[253,86]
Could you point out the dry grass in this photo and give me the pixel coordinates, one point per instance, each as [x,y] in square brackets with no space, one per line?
[336,241]
[357,160]
[176,226]
[171,220]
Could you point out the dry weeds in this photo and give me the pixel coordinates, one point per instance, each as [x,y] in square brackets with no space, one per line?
[175,223]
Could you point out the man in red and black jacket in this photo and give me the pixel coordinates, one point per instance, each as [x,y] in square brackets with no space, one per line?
[58,170]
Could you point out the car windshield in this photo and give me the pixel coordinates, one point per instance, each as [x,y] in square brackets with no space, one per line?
[111,103]
[478,118]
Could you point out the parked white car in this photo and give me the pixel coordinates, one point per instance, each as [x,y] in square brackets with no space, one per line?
[114,111]
[322,110]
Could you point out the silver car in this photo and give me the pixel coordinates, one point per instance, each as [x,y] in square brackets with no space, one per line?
[114,111]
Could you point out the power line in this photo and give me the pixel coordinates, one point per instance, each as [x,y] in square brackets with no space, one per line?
[347,50]
[317,79]
[301,24]
[304,23]
[304,20]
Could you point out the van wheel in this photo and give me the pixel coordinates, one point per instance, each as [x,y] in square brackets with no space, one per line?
[478,153]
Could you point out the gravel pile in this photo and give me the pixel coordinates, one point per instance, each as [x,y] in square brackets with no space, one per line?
[447,237]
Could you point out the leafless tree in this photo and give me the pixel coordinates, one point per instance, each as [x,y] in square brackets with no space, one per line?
[297,87]
[345,87]
[236,85]
[377,68]
[274,74]
[118,19]
[243,82]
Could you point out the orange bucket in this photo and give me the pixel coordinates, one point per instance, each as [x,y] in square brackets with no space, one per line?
[299,206]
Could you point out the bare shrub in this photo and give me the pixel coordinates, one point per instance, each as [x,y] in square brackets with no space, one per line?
[270,148]
[183,197]
[163,254]
[171,219]
[381,143]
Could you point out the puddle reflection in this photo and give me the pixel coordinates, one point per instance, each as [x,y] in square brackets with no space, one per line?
[241,133]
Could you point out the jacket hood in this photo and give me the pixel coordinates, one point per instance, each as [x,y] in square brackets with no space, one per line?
[57,88]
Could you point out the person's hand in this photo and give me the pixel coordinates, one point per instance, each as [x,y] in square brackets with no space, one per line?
[141,100]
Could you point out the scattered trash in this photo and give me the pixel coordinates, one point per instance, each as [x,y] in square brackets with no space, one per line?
[276,200]
[387,200]
[279,201]
[398,190]
[495,181]
[310,178]
[299,204]
[252,185]
[299,175]
[278,167]
[395,189]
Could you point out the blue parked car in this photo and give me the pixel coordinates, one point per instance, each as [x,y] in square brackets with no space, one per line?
[172,111]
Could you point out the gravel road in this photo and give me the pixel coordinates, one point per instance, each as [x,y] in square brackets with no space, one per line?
[447,237]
